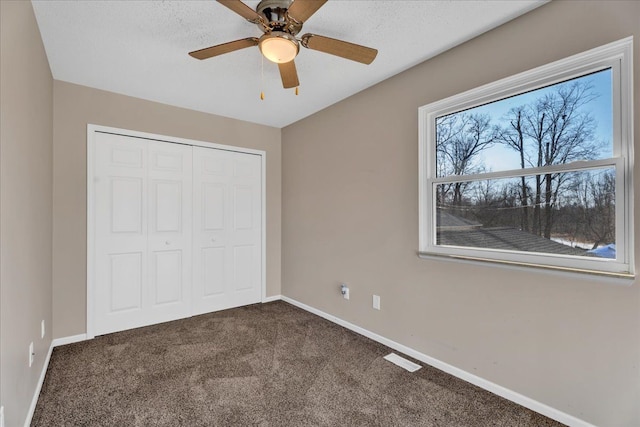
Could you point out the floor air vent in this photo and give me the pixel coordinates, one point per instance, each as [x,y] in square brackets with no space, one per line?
[402,362]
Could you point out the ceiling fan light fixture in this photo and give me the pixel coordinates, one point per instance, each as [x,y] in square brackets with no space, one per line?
[279,47]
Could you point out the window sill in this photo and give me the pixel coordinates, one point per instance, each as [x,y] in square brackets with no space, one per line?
[623,279]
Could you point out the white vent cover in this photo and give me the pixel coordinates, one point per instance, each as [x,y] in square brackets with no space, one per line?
[402,362]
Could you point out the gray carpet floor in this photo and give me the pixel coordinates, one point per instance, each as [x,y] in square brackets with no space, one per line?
[262,365]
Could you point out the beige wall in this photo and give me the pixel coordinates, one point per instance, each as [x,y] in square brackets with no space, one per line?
[350,213]
[26,101]
[76,106]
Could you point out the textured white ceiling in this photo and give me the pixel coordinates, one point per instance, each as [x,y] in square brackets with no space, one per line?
[139,48]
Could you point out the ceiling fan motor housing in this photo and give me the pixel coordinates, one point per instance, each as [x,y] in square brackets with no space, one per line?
[275,13]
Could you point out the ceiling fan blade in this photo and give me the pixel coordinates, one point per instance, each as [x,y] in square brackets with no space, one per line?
[346,50]
[220,49]
[289,75]
[243,10]
[301,10]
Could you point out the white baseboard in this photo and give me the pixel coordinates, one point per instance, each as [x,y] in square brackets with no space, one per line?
[68,340]
[55,343]
[511,395]
[272,298]
[34,400]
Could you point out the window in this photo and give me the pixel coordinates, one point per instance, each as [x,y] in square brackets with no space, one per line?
[534,169]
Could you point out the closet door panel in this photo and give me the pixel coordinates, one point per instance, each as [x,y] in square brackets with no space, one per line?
[125,282]
[169,236]
[227,229]
[246,239]
[120,193]
[213,271]
[142,205]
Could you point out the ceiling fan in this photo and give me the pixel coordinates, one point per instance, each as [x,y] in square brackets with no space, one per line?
[281,21]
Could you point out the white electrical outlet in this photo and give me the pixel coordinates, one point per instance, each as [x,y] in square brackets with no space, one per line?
[42,330]
[31,354]
[376,302]
[1,416]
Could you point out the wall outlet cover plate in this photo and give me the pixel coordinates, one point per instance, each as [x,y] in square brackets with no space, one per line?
[31,354]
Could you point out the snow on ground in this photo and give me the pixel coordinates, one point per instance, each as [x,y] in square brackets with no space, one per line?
[572,243]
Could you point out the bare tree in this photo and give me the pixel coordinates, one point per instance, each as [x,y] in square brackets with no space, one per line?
[569,137]
[460,138]
[554,129]
[596,200]
[513,135]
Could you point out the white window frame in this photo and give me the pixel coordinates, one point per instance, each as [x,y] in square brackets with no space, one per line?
[618,57]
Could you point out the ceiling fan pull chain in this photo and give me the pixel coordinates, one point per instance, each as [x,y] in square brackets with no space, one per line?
[262,77]
[297,91]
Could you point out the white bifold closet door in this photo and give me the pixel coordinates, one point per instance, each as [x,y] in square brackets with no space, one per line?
[227,221]
[167,247]
[143,202]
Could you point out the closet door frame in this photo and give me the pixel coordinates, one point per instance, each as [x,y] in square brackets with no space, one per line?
[92,130]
